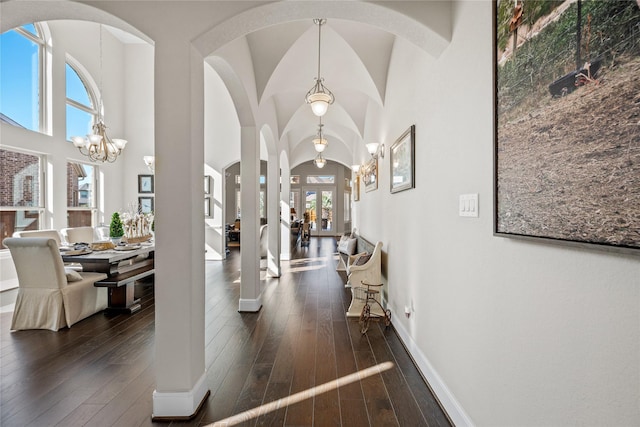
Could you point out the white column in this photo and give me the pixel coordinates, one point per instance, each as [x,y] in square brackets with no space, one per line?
[250,298]
[179,230]
[273,213]
[285,229]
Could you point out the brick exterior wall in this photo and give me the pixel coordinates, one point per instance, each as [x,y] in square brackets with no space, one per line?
[24,167]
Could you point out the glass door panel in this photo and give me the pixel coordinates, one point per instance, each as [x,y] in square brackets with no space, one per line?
[327,211]
[318,205]
[310,207]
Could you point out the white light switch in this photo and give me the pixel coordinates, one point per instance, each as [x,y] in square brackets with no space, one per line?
[469,205]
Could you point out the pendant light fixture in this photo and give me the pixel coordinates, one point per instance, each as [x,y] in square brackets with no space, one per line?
[319,161]
[319,97]
[97,145]
[320,143]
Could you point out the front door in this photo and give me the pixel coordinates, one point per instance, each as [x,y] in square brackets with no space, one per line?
[318,205]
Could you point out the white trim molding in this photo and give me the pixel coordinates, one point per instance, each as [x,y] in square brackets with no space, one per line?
[454,410]
[180,405]
[249,305]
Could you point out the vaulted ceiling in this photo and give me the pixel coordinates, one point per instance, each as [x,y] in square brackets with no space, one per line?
[283,58]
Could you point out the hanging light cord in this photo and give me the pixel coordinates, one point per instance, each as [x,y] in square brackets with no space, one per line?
[319,41]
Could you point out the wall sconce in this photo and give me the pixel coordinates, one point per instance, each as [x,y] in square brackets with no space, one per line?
[375,149]
[150,161]
[356,169]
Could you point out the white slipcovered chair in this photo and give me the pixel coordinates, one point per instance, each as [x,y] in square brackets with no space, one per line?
[364,268]
[51,234]
[48,296]
[78,235]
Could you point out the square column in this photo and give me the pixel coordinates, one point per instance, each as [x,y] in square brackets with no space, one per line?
[179,230]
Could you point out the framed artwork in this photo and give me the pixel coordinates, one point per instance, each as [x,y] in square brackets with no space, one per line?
[208,212]
[566,153]
[145,184]
[370,175]
[146,204]
[403,161]
[356,188]
[207,184]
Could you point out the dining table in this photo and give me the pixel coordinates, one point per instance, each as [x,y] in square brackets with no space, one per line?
[124,265]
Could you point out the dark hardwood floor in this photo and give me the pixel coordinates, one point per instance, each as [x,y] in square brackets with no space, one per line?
[298,362]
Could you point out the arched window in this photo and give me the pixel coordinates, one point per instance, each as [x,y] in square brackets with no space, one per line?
[82,178]
[22,63]
[81,103]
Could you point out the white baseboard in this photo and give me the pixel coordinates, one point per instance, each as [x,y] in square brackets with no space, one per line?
[250,305]
[455,411]
[180,404]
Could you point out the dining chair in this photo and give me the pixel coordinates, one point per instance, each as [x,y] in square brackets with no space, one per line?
[50,296]
[78,235]
[52,234]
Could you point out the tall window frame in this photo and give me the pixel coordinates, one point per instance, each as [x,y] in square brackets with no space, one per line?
[74,105]
[82,194]
[40,36]
[26,181]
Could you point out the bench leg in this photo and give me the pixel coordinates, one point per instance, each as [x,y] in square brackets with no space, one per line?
[121,299]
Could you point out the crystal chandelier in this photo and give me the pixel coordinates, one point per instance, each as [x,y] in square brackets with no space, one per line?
[319,97]
[97,145]
[320,143]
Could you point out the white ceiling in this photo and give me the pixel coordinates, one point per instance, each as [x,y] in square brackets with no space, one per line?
[283,59]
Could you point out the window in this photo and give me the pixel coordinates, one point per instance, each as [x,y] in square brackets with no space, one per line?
[262,201]
[263,179]
[81,111]
[347,206]
[81,194]
[294,202]
[21,201]
[263,204]
[22,70]
[320,179]
[238,210]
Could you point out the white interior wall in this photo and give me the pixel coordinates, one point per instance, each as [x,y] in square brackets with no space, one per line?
[138,95]
[514,332]
[221,149]
[109,75]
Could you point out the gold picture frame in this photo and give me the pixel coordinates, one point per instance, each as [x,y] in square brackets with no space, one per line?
[370,175]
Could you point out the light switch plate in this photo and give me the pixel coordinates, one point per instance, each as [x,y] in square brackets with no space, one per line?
[469,205]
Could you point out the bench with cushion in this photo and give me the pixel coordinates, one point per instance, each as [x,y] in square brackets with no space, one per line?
[361,260]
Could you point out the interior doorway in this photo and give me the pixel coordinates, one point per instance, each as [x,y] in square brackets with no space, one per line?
[319,205]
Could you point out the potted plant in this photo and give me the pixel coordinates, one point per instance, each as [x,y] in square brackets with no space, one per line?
[116,230]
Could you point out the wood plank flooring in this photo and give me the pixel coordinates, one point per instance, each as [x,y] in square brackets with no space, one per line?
[298,362]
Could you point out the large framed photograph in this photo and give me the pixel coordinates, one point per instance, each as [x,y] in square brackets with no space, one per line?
[146,204]
[370,175]
[403,161]
[145,184]
[567,129]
